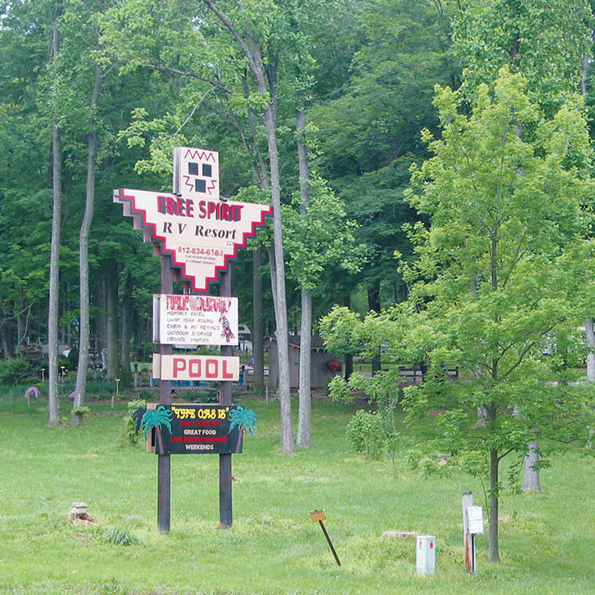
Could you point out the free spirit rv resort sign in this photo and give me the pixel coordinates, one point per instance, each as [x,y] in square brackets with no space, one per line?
[199,230]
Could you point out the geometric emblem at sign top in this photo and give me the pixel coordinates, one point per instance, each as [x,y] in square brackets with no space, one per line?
[196,173]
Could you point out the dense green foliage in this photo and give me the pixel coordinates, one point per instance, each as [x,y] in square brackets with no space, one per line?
[166,82]
[500,272]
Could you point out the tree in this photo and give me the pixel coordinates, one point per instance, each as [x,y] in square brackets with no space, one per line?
[491,266]
[370,127]
[317,236]
[53,308]
[549,43]
[254,41]
[498,275]
[545,40]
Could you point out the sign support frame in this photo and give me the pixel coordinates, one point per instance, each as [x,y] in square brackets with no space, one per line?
[225,472]
[192,229]
[164,461]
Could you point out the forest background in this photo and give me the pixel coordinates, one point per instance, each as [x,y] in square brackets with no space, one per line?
[95,97]
[324,109]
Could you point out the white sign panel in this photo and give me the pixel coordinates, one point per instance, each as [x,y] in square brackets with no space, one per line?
[196,173]
[195,319]
[196,367]
[200,234]
[475,518]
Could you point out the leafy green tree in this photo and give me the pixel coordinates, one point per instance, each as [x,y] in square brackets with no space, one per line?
[498,276]
[316,237]
[550,44]
[498,268]
[545,40]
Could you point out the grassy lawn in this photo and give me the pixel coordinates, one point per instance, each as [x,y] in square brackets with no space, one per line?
[547,541]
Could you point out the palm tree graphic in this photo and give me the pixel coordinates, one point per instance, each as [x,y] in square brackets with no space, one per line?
[241,418]
[155,418]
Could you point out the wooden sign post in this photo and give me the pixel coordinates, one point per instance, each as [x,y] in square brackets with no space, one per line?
[163,461]
[199,234]
[225,474]
[318,516]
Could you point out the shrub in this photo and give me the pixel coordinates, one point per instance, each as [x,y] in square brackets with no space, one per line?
[365,433]
[13,370]
[116,536]
[128,435]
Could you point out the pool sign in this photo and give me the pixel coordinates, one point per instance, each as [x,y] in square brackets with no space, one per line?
[208,368]
[200,231]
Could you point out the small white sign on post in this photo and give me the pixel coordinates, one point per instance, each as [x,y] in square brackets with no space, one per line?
[475,518]
[195,320]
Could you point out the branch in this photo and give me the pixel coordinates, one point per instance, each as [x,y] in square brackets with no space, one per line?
[211,82]
[253,60]
[193,110]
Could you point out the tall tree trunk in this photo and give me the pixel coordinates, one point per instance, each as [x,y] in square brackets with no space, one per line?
[3,334]
[349,357]
[53,308]
[126,328]
[257,322]
[20,329]
[112,322]
[284,391]
[532,482]
[590,339]
[589,330]
[305,389]
[267,86]
[493,554]
[84,329]
[100,302]
[67,330]
[374,305]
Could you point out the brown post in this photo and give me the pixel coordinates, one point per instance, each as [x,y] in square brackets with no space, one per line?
[225,476]
[164,462]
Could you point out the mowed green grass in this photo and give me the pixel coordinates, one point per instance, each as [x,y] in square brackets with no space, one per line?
[547,541]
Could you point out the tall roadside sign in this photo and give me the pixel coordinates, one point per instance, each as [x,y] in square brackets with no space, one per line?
[198,233]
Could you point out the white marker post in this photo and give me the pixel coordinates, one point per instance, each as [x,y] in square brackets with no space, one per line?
[472,526]
[425,558]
